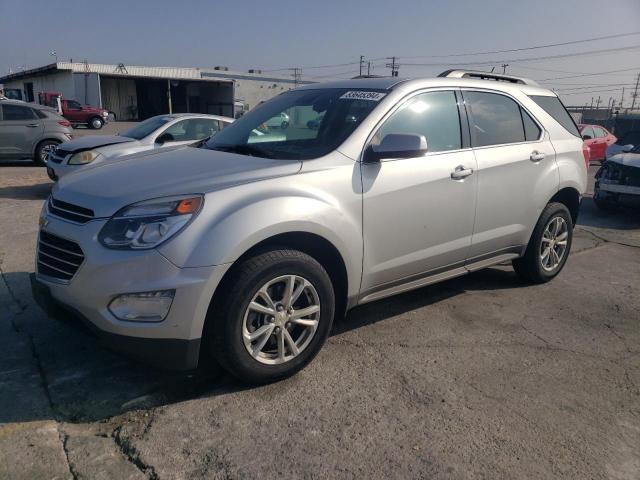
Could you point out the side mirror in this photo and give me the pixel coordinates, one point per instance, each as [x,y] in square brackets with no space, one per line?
[586,137]
[164,138]
[627,148]
[396,145]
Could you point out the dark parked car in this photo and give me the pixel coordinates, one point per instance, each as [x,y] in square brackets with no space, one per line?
[618,181]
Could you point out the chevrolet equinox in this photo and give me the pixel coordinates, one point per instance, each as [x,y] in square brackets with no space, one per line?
[247,246]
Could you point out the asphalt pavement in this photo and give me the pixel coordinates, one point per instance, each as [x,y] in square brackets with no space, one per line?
[478,377]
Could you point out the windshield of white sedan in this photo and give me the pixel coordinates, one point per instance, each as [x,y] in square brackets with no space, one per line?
[145,128]
[300,124]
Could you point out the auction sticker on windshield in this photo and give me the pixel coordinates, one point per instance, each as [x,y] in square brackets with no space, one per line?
[360,95]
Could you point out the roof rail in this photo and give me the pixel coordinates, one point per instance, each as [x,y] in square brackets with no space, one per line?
[487,76]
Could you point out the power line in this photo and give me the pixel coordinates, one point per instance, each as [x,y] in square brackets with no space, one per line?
[522,49]
[591,74]
[531,59]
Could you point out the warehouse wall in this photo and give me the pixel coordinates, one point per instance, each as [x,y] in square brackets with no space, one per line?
[87,88]
[54,82]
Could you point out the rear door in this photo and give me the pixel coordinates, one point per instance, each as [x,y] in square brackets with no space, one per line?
[20,129]
[589,138]
[516,169]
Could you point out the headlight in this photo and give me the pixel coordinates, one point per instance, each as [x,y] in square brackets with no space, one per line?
[147,224]
[82,158]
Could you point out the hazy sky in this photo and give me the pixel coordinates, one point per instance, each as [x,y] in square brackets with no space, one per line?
[280,34]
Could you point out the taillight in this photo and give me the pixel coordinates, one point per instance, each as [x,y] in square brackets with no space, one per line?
[64,123]
[586,154]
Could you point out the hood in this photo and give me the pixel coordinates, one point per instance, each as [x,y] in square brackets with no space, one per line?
[626,159]
[93,141]
[106,188]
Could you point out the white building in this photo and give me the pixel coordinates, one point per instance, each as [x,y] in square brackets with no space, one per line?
[138,92]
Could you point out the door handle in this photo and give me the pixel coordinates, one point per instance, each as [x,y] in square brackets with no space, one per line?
[32,125]
[536,156]
[460,172]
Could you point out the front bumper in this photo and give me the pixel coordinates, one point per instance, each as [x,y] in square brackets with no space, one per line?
[167,353]
[104,274]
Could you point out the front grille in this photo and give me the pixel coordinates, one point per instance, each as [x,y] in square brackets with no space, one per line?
[69,211]
[57,257]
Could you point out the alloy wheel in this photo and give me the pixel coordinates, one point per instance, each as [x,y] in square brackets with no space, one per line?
[281,319]
[553,246]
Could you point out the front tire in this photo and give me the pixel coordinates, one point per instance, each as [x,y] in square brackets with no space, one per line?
[548,247]
[96,123]
[42,151]
[274,313]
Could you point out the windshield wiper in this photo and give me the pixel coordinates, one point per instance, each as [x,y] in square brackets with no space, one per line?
[242,150]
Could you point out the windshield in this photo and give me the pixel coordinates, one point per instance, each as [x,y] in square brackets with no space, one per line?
[630,138]
[299,125]
[145,128]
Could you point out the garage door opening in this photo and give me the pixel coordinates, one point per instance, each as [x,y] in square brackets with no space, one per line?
[133,99]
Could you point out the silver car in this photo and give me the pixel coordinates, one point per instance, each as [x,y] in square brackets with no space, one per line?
[30,131]
[247,251]
[154,133]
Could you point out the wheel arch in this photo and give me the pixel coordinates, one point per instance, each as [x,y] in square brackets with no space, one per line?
[314,245]
[569,197]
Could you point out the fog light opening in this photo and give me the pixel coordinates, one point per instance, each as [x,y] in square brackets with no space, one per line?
[142,307]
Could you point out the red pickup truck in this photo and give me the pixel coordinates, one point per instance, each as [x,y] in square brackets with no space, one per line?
[73,111]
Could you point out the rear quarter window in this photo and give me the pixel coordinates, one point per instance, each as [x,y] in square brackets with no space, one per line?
[554,107]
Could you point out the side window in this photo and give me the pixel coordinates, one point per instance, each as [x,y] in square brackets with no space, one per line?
[17,112]
[433,114]
[600,133]
[495,119]
[531,129]
[40,113]
[72,104]
[588,131]
[192,129]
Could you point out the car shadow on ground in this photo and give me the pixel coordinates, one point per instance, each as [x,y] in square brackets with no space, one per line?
[592,216]
[86,382]
[38,191]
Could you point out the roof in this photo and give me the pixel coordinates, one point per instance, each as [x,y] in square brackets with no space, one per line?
[173,73]
[390,83]
[379,83]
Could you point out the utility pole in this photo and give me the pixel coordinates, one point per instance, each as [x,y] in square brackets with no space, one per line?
[393,66]
[622,98]
[504,68]
[361,64]
[591,108]
[297,75]
[635,92]
[368,69]
[598,102]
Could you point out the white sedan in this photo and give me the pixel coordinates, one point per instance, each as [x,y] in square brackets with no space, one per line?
[156,132]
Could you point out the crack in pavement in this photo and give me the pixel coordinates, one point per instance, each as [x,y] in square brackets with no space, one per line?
[603,240]
[63,439]
[132,454]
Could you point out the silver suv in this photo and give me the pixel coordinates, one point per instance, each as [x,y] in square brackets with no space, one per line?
[30,131]
[246,248]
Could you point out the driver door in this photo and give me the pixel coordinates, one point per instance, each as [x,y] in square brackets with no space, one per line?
[417,218]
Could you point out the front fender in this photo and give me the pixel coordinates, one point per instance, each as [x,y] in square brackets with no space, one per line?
[224,231]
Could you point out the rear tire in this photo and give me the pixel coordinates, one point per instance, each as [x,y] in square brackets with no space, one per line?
[96,123]
[535,266]
[42,151]
[289,342]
